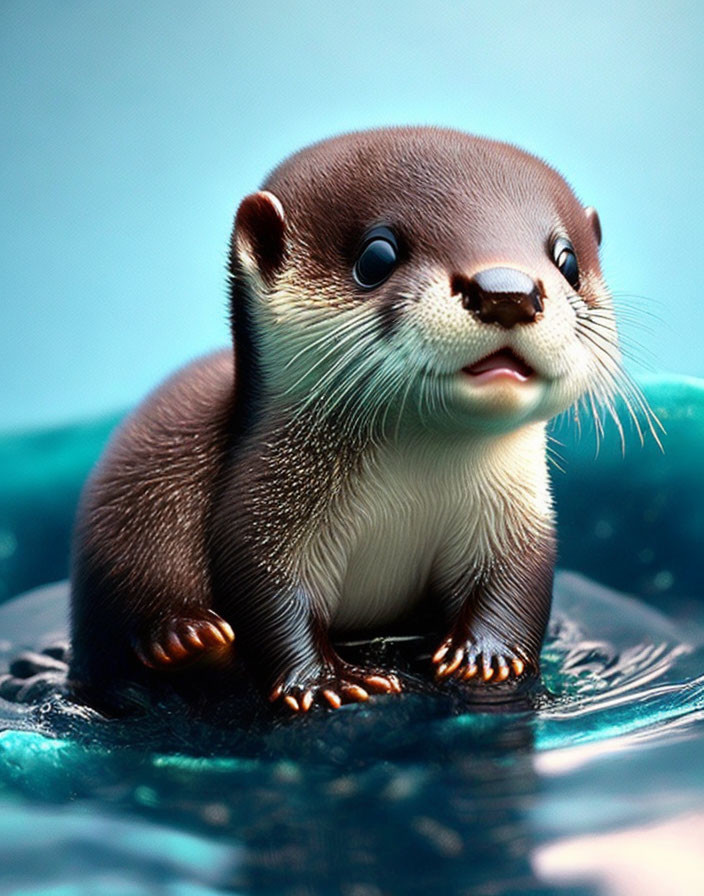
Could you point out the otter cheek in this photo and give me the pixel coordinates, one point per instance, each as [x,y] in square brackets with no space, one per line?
[574,381]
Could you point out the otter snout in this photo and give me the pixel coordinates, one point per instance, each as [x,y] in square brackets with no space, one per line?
[505,296]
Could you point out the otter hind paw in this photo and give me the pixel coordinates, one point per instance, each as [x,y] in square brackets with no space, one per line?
[332,687]
[480,660]
[183,639]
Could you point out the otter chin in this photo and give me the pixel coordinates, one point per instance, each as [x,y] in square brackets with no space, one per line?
[409,307]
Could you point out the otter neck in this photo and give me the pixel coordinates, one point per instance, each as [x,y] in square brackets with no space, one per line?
[248,375]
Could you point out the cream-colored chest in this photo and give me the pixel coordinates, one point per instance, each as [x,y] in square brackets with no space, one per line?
[411,518]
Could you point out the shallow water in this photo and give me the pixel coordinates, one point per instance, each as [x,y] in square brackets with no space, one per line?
[591,781]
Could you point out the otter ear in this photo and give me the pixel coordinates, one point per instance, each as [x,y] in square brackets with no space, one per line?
[594,221]
[258,237]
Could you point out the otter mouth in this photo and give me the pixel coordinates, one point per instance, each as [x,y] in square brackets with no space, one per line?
[504,363]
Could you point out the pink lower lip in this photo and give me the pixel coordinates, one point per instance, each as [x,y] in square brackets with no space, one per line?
[499,373]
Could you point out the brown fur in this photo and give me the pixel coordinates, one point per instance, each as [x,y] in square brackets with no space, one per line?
[140,541]
[204,494]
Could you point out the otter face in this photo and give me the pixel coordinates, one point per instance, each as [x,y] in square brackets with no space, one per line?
[426,277]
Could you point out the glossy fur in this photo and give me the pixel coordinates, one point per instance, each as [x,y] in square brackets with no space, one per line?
[340,469]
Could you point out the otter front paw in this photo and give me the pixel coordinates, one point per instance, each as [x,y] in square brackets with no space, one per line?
[332,686]
[182,639]
[481,658]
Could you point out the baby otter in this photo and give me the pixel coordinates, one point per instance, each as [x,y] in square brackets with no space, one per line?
[409,307]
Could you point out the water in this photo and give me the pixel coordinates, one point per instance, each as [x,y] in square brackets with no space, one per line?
[591,781]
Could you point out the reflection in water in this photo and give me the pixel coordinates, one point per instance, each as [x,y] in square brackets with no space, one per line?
[662,859]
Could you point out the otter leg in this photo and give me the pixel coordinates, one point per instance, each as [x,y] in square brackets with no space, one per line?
[286,644]
[498,618]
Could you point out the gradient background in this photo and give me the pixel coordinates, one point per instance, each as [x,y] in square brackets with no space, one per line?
[132,130]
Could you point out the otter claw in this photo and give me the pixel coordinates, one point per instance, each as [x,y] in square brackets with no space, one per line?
[160,654]
[441,652]
[383,683]
[503,670]
[456,660]
[183,639]
[217,635]
[176,649]
[332,686]
[227,630]
[332,698]
[192,637]
[354,690]
[306,701]
[476,658]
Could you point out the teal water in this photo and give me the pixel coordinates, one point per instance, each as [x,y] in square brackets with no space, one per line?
[590,782]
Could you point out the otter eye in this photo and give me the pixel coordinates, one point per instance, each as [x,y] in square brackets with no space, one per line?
[377,258]
[566,261]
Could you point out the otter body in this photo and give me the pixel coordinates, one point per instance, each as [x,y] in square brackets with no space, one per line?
[409,307]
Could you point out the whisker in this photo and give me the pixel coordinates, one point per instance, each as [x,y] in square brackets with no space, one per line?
[357,330]
[631,348]
[618,380]
[403,405]
[319,389]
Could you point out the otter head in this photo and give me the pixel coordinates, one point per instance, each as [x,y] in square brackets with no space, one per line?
[424,277]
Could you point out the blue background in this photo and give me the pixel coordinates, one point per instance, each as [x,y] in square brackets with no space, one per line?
[131,131]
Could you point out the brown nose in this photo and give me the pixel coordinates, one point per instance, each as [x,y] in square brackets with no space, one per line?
[505,296]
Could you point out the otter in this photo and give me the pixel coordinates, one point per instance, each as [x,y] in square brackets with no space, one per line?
[409,306]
